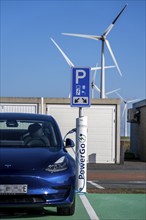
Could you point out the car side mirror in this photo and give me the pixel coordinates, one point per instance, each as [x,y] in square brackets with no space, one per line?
[69,143]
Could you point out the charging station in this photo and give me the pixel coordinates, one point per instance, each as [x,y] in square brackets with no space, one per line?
[81,153]
[81,97]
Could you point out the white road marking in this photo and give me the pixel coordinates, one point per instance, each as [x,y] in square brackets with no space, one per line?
[137,182]
[88,207]
[96,185]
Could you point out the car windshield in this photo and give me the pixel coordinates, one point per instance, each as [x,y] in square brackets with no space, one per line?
[29,133]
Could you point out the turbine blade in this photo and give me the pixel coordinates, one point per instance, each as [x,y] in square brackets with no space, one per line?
[130,101]
[114,21]
[94,74]
[113,57]
[119,14]
[109,67]
[99,68]
[94,37]
[92,95]
[120,96]
[112,91]
[125,108]
[108,30]
[64,55]
[96,68]
[96,88]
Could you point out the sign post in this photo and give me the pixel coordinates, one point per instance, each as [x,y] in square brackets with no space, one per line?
[80,97]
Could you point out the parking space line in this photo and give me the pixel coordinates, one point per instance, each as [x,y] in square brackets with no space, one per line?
[96,185]
[88,207]
[138,182]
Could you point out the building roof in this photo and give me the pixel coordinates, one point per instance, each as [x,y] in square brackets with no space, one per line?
[140,104]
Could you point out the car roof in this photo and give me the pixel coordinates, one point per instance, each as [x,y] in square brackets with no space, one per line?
[25,116]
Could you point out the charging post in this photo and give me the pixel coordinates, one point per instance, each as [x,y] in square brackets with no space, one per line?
[80,97]
[81,152]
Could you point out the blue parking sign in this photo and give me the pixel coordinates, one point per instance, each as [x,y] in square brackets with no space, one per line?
[81,87]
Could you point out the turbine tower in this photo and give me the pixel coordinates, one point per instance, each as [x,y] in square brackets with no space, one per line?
[124,114]
[103,39]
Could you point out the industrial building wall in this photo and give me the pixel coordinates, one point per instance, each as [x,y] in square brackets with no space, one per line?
[101,129]
[103,122]
[26,108]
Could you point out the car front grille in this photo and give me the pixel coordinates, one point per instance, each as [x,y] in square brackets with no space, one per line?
[14,199]
[33,199]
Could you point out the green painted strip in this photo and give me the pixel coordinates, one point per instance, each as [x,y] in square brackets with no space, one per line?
[106,206]
[119,206]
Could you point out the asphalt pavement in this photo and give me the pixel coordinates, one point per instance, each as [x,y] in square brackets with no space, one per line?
[129,177]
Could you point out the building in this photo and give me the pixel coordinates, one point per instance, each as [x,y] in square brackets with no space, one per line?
[137,118]
[103,122]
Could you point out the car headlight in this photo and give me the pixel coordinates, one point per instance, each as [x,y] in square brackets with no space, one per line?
[60,165]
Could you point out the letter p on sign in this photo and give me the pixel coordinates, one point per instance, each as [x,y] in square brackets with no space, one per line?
[80,74]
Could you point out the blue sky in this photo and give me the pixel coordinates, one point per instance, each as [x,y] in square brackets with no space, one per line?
[31,66]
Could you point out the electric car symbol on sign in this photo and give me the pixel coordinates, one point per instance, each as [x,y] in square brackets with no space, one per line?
[35,167]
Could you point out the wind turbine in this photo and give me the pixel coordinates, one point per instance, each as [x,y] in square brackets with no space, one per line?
[69,61]
[103,39]
[124,114]
[94,86]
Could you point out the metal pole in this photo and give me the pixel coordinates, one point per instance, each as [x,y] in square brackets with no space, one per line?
[102,92]
[42,105]
[80,112]
[125,123]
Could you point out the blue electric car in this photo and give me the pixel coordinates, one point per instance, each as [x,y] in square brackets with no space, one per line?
[35,168]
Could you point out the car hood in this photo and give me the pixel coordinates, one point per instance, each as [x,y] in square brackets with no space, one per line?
[27,158]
